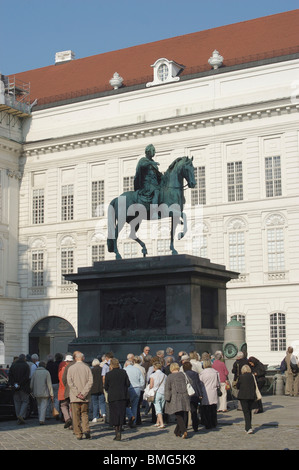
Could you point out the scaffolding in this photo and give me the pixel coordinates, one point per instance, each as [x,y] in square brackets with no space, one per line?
[14,96]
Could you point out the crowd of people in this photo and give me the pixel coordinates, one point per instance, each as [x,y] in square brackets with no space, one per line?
[165,385]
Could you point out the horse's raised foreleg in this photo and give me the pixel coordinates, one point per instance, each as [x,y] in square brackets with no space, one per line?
[117,253]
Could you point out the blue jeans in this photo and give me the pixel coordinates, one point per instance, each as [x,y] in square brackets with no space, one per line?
[102,404]
[134,394]
[159,403]
[98,405]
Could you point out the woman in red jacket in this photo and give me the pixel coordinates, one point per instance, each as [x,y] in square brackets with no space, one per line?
[64,401]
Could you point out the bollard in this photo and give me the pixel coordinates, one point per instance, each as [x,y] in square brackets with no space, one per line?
[279,389]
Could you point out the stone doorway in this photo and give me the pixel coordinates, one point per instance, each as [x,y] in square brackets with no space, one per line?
[50,336]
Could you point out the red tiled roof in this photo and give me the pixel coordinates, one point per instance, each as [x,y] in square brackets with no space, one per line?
[238,43]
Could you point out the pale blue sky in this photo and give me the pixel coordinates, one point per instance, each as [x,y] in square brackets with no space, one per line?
[32,31]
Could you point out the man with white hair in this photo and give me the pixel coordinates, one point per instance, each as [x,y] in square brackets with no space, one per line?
[169,353]
[80,380]
[145,352]
[34,365]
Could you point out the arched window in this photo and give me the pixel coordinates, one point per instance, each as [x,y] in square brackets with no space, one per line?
[275,225]
[200,240]
[97,247]
[236,231]
[277,331]
[67,258]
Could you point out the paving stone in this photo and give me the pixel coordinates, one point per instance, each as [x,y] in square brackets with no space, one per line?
[275,429]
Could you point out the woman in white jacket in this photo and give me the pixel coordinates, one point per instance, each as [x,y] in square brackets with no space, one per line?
[209,379]
[41,386]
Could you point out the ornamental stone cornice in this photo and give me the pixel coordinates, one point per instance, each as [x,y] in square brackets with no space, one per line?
[167,126]
[10,146]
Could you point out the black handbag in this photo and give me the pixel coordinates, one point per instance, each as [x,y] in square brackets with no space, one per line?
[219,393]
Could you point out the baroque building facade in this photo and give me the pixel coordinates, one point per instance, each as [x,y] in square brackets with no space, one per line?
[62,163]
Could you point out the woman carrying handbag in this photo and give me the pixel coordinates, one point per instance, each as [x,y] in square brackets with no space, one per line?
[177,399]
[259,371]
[157,383]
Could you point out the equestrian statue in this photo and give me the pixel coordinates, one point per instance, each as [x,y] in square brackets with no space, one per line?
[155,196]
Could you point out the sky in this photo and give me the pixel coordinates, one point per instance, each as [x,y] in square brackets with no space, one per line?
[32,31]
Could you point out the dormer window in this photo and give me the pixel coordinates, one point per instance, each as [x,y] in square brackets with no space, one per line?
[165,71]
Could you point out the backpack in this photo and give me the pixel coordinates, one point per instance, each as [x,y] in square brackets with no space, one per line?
[294,367]
[283,366]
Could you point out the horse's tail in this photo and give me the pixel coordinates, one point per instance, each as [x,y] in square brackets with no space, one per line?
[111,226]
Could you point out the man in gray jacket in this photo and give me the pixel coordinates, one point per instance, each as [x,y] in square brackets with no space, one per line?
[80,380]
[41,386]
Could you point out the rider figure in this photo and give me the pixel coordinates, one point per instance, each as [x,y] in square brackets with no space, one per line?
[147,177]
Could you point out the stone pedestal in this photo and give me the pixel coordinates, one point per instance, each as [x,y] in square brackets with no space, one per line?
[177,301]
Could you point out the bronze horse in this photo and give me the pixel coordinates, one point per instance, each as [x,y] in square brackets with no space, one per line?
[123,209]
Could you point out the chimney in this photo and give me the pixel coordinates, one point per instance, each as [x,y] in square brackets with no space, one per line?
[64,56]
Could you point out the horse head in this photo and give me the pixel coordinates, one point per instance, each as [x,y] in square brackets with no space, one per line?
[188,171]
[182,166]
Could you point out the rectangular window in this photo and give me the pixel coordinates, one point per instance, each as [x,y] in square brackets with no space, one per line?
[128,183]
[38,206]
[67,202]
[275,241]
[278,332]
[163,247]
[130,250]
[237,251]
[198,195]
[97,198]
[37,268]
[97,253]
[273,176]
[67,263]
[240,318]
[234,181]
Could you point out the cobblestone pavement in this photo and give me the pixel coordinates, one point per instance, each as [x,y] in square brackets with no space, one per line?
[275,429]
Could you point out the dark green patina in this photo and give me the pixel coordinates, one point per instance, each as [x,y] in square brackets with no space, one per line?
[155,196]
